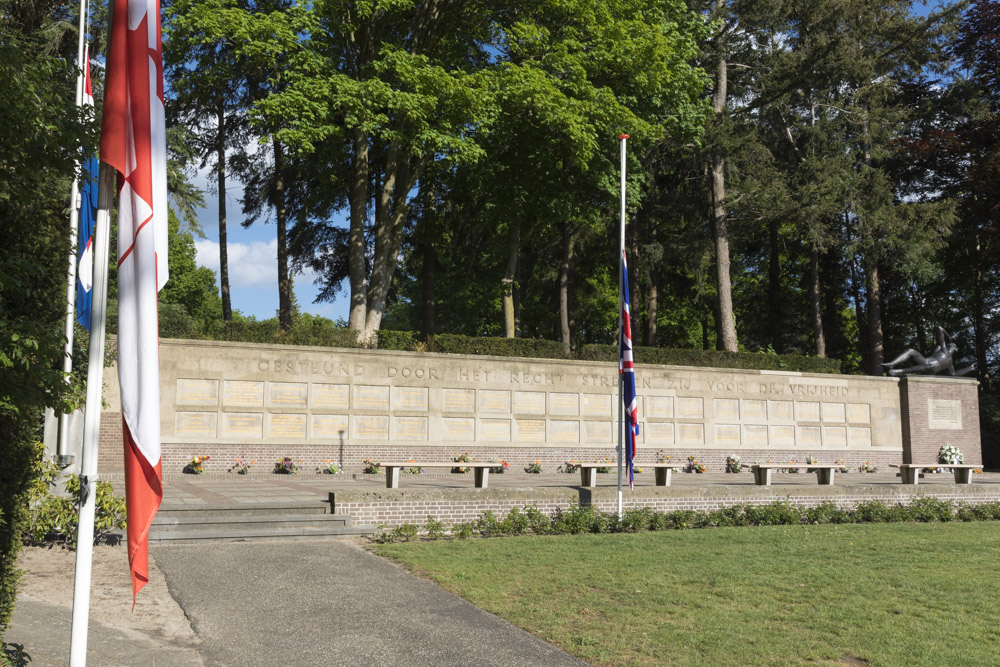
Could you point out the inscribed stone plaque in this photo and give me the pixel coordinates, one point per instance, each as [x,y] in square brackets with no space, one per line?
[780,411]
[597,431]
[809,436]
[859,436]
[330,396]
[371,428]
[409,398]
[727,408]
[754,435]
[727,434]
[691,434]
[782,436]
[329,426]
[529,402]
[690,408]
[754,409]
[835,436]
[806,411]
[659,433]
[494,401]
[242,425]
[859,413]
[458,400]
[564,431]
[409,428]
[531,430]
[659,407]
[944,414]
[369,397]
[564,404]
[286,426]
[243,394]
[493,430]
[463,428]
[834,412]
[598,405]
[287,395]
[197,392]
[196,424]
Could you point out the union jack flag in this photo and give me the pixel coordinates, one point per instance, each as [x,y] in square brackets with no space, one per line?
[626,367]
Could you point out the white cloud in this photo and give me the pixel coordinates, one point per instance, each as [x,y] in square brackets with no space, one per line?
[250,264]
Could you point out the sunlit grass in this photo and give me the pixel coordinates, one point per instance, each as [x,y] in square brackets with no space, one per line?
[896,594]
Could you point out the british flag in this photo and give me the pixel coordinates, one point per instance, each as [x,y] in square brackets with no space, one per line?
[626,367]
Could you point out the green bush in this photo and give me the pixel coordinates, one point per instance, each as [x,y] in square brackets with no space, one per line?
[56,518]
[931,509]
[434,528]
[826,512]
[20,468]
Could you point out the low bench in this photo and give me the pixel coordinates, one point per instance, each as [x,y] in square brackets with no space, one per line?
[588,472]
[481,471]
[824,471]
[909,473]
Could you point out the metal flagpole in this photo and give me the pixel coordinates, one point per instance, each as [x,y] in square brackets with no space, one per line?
[92,421]
[621,329]
[63,456]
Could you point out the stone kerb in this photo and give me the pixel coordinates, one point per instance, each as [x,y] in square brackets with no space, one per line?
[317,404]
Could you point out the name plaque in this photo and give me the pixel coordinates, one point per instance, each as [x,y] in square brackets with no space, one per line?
[463,429]
[197,392]
[781,436]
[410,428]
[660,407]
[690,408]
[780,411]
[287,395]
[858,436]
[196,424]
[531,430]
[371,428]
[367,397]
[727,434]
[330,396]
[564,431]
[597,432]
[564,404]
[834,412]
[286,426]
[835,436]
[944,415]
[529,402]
[409,398]
[727,408]
[242,424]
[754,409]
[238,393]
[859,413]
[329,426]
[659,433]
[806,411]
[754,435]
[495,430]
[810,436]
[458,400]
[494,401]
[597,405]
[691,434]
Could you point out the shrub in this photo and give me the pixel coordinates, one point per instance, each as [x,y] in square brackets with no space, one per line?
[463,530]
[487,524]
[931,509]
[636,519]
[434,528]
[826,512]
[538,522]
[872,511]
[774,514]
[579,519]
[56,518]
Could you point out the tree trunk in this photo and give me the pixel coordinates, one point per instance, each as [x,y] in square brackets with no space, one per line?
[775,308]
[817,302]
[357,270]
[875,340]
[507,282]
[567,258]
[428,264]
[651,298]
[220,147]
[979,319]
[704,332]
[281,217]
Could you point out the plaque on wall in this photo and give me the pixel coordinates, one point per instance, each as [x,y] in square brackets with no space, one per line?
[944,415]
[780,411]
[597,432]
[659,433]
[659,407]
[409,398]
[329,426]
[806,411]
[371,397]
[286,426]
[859,436]
[461,429]
[597,405]
[809,436]
[409,428]
[196,424]
[242,425]
[690,408]
[835,436]
[243,394]
[529,402]
[564,404]
[458,400]
[834,412]
[330,396]
[781,436]
[494,401]
[754,409]
[727,434]
[564,431]
[754,435]
[859,413]
[494,430]
[691,434]
[197,392]
[371,428]
[287,395]
[531,430]
[727,408]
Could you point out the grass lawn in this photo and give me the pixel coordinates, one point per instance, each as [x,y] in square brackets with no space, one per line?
[884,594]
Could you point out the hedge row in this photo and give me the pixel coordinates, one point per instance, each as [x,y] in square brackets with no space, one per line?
[587,519]
[319,333]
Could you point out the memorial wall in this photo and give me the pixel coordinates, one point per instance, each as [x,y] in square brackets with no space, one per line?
[318,404]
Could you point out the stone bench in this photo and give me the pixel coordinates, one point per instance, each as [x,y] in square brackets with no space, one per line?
[824,471]
[588,472]
[909,473]
[481,471]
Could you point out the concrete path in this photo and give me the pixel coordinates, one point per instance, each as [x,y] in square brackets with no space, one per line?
[327,602]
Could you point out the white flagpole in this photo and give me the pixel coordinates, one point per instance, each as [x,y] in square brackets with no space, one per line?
[63,456]
[92,421]
[621,328]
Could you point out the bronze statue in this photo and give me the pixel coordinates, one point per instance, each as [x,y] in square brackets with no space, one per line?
[940,361]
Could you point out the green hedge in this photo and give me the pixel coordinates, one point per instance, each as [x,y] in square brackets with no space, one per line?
[318,332]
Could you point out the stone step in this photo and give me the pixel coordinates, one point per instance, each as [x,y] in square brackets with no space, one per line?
[242,509]
[250,521]
[256,534]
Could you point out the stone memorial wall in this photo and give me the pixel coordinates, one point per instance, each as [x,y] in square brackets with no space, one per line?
[319,404]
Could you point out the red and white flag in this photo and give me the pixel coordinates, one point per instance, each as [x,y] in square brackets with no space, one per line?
[133,141]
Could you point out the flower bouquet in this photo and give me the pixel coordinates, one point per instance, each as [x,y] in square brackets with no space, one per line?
[196,465]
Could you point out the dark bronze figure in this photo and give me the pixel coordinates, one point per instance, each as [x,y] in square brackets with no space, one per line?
[939,362]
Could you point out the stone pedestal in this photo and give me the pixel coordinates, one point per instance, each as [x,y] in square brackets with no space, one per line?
[937,411]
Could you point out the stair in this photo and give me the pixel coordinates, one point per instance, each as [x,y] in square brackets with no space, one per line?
[236,522]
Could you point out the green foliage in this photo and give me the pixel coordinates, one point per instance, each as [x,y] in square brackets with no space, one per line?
[434,528]
[56,518]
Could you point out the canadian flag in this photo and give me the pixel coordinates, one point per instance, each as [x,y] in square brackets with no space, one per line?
[133,141]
